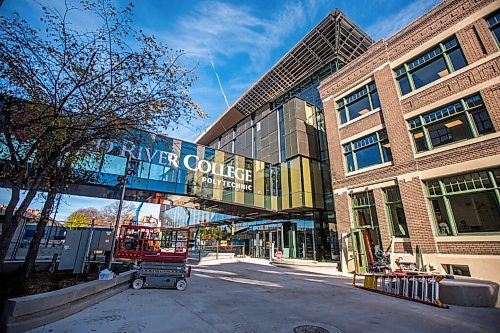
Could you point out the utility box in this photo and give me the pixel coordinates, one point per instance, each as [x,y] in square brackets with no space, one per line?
[79,243]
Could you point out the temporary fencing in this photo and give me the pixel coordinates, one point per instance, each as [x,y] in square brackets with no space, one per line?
[422,288]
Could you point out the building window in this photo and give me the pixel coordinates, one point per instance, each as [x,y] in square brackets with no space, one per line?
[364,211]
[468,203]
[395,212]
[462,270]
[440,61]
[461,120]
[370,150]
[361,102]
[493,23]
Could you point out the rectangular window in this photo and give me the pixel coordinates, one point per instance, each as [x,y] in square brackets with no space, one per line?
[493,23]
[440,61]
[364,211]
[468,203]
[462,270]
[461,120]
[370,150]
[357,104]
[395,212]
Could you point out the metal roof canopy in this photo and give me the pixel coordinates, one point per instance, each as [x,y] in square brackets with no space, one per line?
[336,36]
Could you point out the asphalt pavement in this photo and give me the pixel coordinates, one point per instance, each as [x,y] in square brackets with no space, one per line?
[249,295]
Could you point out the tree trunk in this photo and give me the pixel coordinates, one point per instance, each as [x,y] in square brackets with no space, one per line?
[13,216]
[30,260]
[9,224]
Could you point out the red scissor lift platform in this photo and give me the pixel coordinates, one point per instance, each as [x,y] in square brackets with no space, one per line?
[162,254]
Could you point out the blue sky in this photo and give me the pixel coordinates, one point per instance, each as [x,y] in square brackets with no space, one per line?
[244,39]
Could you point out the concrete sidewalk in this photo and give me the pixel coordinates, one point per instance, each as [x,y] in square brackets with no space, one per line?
[250,295]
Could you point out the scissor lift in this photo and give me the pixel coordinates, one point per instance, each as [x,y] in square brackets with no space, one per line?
[161,252]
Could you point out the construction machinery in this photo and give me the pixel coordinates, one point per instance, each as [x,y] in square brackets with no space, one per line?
[161,255]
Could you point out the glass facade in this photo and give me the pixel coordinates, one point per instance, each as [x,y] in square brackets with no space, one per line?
[461,120]
[288,137]
[467,203]
[436,63]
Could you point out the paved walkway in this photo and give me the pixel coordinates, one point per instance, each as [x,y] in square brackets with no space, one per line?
[252,296]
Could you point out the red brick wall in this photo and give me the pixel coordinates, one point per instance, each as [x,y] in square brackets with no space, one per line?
[420,227]
[401,147]
[491,98]
[481,248]
[360,125]
[479,74]
[471,43]
[477,43]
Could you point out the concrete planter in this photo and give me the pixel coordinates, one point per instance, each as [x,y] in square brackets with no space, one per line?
[24,313]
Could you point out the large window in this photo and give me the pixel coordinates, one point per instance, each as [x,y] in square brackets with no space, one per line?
[440,61]
[395,212]
[370,150]
[361,102]
[468,203]
[364,211]
[493,23]
[461,120]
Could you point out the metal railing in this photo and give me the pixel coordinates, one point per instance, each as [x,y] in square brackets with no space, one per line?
[422,288]
[238,250]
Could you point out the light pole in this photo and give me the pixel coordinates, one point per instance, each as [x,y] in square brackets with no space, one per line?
[122,182]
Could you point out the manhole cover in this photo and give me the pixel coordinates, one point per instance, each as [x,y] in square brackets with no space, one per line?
[310,329]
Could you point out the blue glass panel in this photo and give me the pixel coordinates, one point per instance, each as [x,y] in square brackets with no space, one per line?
[425,58]
[375,100]
[400,70]
[368,156]
[450,130]
[359,107]
[493,19]
[429,73]
[365,141]
[343,116]
[483,122]
[473,101]
[114,165]
[443,112]
[404,85]
[457,59]
[349,162]
[496,33]
[450,43]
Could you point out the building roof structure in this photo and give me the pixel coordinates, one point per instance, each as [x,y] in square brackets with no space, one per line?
[336,36]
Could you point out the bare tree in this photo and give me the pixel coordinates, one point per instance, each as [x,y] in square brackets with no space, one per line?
[62,90]
[110,211]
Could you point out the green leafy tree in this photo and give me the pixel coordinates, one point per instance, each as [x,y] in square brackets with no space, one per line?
[76,220]
[63,90]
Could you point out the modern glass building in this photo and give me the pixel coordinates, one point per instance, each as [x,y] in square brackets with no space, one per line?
[280,122]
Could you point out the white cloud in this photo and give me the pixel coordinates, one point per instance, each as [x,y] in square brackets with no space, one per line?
[391,24]
[223,30]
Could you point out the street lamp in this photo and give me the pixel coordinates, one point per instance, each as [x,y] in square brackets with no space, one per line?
[122,184]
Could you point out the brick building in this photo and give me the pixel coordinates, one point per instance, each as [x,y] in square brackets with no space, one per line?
[413,129]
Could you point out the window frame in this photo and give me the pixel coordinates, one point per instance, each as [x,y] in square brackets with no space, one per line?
[496,16]
[352,150]
[388,211]
[343,103]
[404,70]
[370,198]
[420,124]
[444,195]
